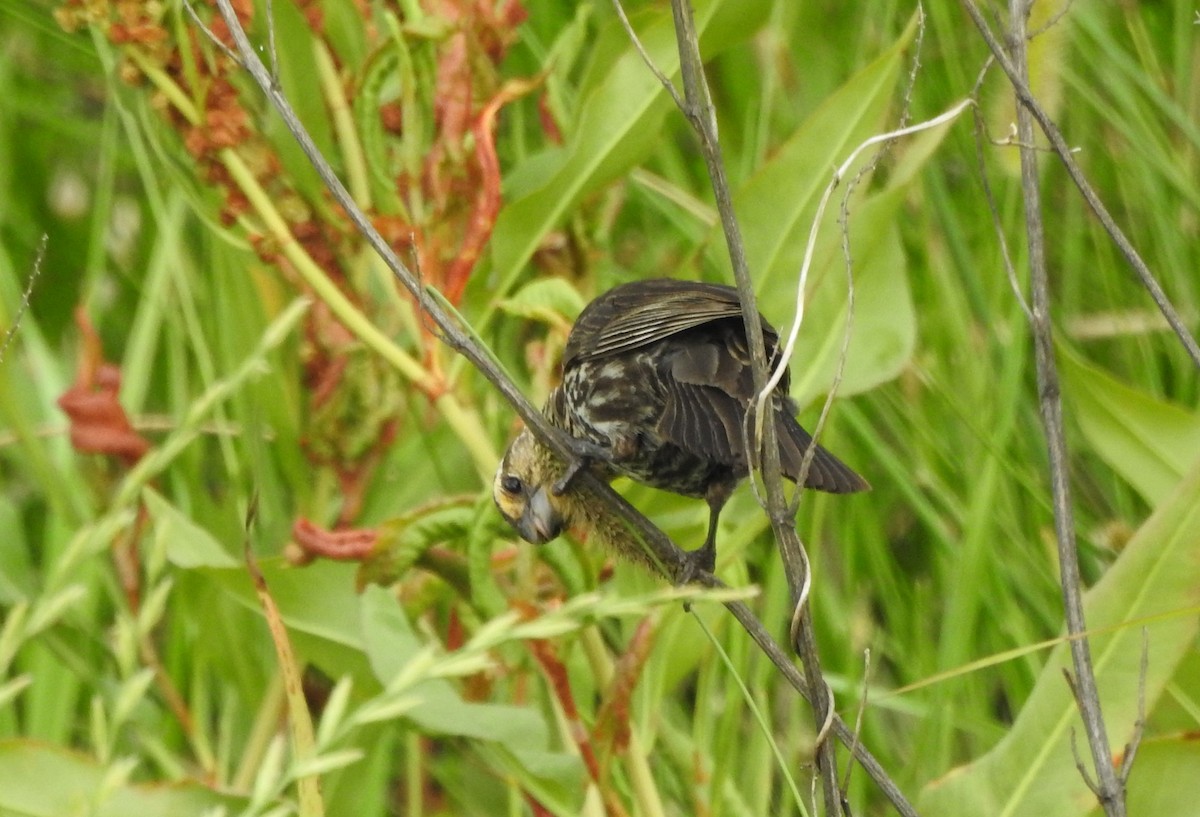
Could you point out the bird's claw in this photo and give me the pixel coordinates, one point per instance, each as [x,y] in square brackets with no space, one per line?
[695,563]
[583,454]
[704,559]
[576,465]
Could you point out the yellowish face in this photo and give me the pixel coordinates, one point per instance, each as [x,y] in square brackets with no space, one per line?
[522,492]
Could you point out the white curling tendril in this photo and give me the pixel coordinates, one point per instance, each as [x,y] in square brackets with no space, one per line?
[789,347]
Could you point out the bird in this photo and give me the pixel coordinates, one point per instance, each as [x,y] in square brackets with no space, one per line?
[656,386]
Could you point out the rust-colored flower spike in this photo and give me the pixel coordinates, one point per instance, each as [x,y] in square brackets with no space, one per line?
[656,386]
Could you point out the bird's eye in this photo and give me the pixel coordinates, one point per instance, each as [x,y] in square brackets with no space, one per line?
[511,484]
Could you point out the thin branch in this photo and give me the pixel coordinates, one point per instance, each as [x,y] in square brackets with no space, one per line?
[1080,766]
[1111,790]
[1131,748]
[1010,269]
[654,69]
[208,32]
[1059,145]
[1052,22]
[858,718]
[701,114]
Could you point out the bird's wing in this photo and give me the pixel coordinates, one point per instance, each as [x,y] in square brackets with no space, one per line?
[709,386]
[643,312]
[704,421]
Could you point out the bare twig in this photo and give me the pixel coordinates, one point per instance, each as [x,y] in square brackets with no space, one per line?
[662,551]
[208,32]
[641,49]
[1131,748]
[1111,791]
[981,135]
[1052,22]
[1080,766]
[698,109]
[1028,103]
[858,718]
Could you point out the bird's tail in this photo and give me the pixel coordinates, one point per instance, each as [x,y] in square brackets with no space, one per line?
[826,473]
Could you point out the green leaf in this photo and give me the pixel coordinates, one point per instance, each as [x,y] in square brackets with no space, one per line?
[1032,769]
[620,122]
[187,544]
[323,764]
[390,644]
[547,299]
[1161,765]
[1149,442]
[520,732]
[41,781]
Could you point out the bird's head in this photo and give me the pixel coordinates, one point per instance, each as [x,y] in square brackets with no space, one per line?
[522,491]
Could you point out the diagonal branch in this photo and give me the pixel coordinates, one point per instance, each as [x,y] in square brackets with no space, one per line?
[453,333]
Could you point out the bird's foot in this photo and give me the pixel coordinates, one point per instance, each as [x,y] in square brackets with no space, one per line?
[696,563]
[704,558]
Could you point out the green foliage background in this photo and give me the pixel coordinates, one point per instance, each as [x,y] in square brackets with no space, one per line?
[425,691]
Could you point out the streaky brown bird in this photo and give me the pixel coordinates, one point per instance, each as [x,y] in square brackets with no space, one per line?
[656,385]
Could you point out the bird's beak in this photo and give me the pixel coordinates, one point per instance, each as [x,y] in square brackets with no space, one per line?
[540,522]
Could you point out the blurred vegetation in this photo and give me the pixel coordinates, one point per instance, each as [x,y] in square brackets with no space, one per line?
[524,157]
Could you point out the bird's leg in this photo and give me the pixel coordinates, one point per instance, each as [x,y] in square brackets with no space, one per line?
[705,557]
[701,560]
[583,454]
